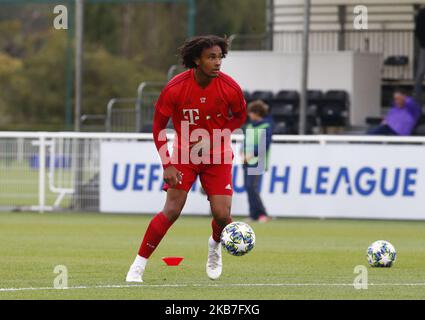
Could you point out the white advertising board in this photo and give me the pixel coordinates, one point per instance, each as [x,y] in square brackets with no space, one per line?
[303,180]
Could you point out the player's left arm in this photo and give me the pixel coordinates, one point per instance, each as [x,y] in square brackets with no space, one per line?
[237,105]
[237,121]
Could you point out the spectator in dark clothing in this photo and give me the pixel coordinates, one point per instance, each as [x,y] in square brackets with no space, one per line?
[256,156]
[420,36]
[401,119]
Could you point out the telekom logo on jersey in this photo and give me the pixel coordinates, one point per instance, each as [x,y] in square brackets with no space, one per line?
[191,115]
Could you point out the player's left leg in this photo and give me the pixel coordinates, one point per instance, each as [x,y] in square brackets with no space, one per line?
[217,183]
[220,208]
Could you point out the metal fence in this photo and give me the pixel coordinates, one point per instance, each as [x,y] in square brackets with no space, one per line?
[18,178]
[126,114]
[123,115]
[148,94]
[43,171]
[133,114]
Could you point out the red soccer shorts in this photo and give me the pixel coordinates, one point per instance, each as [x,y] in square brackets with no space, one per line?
[216,179]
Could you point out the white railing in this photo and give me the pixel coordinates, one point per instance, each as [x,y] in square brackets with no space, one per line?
[44,171]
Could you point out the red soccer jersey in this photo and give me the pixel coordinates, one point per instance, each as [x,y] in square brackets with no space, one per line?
[193,107]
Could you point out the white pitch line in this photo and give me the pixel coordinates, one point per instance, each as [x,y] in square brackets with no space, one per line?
[108,286]
[419,284]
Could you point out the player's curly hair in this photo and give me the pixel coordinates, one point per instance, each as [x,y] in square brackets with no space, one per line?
[192,48]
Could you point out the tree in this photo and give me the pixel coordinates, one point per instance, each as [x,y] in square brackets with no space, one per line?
[125,44]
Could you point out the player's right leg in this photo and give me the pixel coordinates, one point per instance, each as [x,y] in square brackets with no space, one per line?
[157,229]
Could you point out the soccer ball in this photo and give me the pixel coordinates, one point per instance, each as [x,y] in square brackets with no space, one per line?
[238,238]
[381,253]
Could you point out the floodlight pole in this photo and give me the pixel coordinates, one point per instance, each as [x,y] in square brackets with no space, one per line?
[79,37]
[191,16]
[270,16]
[304,68]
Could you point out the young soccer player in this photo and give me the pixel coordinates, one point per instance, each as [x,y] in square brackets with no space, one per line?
[203,103]
[256,157]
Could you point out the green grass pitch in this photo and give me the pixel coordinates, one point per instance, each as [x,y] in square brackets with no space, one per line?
[293,259]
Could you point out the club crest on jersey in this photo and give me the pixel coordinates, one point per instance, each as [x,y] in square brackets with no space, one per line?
[191,115]
[203,99]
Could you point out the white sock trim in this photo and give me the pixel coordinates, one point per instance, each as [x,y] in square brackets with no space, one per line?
[140,261]
[212,243]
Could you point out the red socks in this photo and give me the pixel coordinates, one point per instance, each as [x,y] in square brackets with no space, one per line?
[159,226]
[217,229]
[157,229]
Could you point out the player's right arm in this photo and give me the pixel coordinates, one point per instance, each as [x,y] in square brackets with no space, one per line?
[163,111]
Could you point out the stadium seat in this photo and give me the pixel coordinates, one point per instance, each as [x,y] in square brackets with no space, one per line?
[309,128]
[265,96]
[314,103]
[373,121]
[284,109]
[337,97]
[288,97]
[281,128]
[399,64]
[334,111]
[396,61]
[315,97]
[285,112]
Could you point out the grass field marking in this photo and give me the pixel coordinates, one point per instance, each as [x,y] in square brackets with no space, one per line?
[219,285]
[106,286]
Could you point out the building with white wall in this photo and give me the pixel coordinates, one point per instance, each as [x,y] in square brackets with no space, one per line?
[390,29]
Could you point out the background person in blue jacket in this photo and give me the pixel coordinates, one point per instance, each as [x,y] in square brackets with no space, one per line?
[258,130]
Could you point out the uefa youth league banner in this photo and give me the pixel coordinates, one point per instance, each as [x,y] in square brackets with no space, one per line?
[303,180]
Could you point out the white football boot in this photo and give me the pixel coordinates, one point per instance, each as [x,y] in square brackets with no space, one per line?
[135,273]
[214,263]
